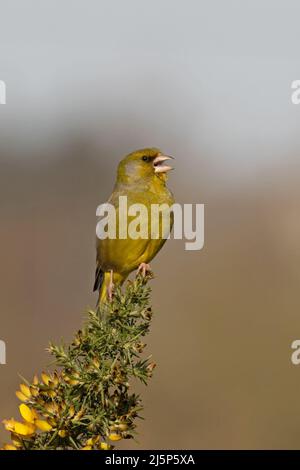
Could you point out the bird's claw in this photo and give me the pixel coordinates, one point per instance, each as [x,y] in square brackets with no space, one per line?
[110,287]
[144,269]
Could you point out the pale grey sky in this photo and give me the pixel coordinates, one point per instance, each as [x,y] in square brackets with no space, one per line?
[199,77]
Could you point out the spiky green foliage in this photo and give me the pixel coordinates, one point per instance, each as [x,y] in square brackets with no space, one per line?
[87,401]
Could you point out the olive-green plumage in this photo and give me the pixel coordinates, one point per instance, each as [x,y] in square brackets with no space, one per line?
[142,178]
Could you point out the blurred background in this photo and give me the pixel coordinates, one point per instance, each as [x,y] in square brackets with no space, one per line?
[210,83]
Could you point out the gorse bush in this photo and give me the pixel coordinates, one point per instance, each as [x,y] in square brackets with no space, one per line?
[85,402]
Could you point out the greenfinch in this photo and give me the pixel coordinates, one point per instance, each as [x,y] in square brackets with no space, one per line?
[141,177]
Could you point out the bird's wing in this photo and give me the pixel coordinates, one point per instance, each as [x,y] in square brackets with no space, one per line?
[124,255]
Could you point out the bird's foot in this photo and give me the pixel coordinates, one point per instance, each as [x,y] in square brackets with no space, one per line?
[144,269]
[110,287]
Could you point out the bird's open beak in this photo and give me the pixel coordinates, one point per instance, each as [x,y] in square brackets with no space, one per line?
[158,164]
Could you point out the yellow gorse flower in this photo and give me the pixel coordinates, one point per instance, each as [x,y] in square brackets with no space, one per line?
[43,425]
[22,429]
[25,390]
[35,380]
[9,447]
[29,426]
[104,446]
[9,424]
[21,396]
[92,440]
[24,394]
[71,411]
[45,378]
[34,391]
[29,415]
[51,408]
[114,436]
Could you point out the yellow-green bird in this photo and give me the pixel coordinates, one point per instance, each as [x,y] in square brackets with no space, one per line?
[142,177]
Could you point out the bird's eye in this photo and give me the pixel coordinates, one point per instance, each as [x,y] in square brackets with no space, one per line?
[145,158]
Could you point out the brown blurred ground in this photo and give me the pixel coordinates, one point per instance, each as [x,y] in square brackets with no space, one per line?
[225,316]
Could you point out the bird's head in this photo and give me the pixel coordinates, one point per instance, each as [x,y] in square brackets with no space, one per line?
[143,164]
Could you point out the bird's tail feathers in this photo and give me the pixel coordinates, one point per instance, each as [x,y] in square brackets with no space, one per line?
[99,277]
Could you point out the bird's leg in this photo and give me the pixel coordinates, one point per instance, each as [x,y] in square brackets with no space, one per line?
[144,268]
[110,287]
